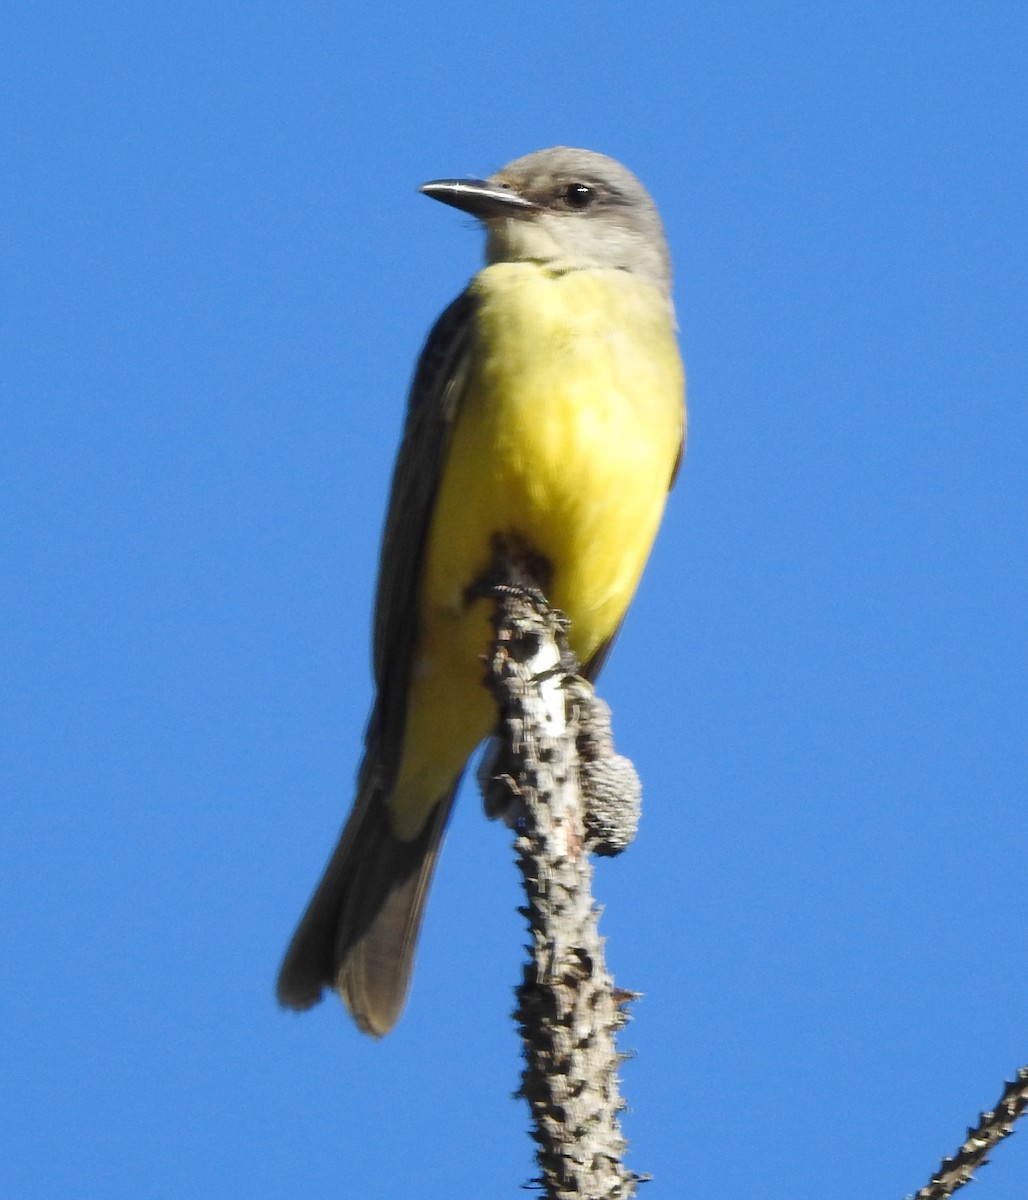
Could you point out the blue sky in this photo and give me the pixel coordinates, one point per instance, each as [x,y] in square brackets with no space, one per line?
[216,277]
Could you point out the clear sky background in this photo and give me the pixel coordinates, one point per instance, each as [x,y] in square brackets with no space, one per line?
[216,276]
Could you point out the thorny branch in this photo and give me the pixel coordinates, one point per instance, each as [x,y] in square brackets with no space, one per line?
[992,1127]
[554,775]
[568,1009]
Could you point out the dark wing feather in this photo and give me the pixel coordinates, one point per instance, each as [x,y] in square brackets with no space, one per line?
[359,930]
[434,400]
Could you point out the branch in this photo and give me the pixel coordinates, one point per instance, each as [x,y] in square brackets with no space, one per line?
[554,774]
[568,1009]
[992,1127]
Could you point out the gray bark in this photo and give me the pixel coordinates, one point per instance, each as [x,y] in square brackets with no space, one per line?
[568,1009]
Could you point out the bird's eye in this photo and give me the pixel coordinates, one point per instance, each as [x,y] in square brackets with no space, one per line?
[579,195]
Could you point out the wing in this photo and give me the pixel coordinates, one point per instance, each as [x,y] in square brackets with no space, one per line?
[435,397]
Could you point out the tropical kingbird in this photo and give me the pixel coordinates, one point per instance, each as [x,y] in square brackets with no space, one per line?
[546,413]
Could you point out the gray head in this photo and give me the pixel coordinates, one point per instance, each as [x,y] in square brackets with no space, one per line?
[569,207]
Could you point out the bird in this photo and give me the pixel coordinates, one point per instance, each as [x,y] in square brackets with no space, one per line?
[547,415]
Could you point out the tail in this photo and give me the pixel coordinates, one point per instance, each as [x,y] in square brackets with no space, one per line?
[361,925]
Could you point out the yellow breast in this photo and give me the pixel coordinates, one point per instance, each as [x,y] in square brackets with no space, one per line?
[568,431]
[567,437]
